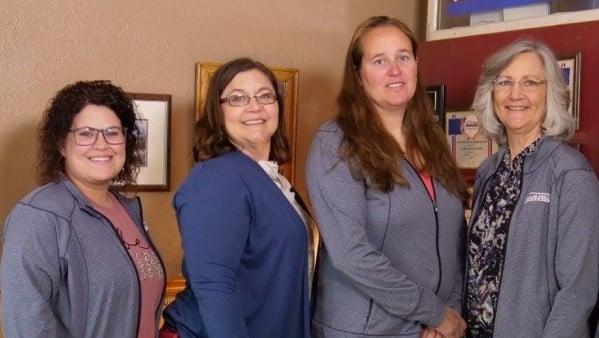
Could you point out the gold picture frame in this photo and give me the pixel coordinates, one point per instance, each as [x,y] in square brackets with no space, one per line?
[288,83]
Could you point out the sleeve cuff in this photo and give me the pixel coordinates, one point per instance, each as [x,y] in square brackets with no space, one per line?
[429,310]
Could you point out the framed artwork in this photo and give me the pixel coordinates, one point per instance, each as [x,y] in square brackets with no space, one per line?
[448,19]
[469,147]
[153,122]
[570,66]
[436,96]
[287,81]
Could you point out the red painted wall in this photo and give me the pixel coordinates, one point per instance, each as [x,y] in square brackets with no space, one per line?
[457,64]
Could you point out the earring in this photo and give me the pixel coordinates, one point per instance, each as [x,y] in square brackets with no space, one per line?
[219,138]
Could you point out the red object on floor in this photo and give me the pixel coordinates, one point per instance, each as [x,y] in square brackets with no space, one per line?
[167,332]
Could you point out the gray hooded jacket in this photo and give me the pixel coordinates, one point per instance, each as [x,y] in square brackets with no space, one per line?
[391,260]
[551,270]
[65,272]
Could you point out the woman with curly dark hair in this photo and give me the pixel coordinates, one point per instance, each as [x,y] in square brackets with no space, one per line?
[77,260]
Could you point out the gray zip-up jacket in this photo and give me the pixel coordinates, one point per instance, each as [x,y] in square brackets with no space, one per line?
[551,269]
[65,272]
[390,262]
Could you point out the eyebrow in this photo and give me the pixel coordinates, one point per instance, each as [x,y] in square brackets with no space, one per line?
[397,51]
[85,126]
[237,90]
[523,77]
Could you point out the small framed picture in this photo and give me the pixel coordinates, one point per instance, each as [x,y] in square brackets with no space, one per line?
[469,147]
[153,146]
[436,96]
[570,66]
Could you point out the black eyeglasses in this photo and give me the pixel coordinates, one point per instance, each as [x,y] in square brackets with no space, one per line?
[236,100]
[86,136]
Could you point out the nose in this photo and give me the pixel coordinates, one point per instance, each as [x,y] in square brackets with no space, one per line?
[254,105]
[100,140]
[515,92]
[394,68]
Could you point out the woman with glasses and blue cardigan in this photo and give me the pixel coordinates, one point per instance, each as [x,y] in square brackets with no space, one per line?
[244,232]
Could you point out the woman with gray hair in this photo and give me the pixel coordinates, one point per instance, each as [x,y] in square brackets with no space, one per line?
[533,240]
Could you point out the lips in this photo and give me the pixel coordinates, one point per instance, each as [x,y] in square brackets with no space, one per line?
[395,85]
[100,159]
[252,122]
[516,108]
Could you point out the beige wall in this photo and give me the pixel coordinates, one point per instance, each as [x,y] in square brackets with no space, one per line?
[151,47]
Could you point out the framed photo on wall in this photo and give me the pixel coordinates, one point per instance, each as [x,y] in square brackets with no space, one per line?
[153,122]
[287,81]
[436,96]
[570,66]
[469,147]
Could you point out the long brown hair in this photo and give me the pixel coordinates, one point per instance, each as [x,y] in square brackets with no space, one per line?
[211,139]
[369,149]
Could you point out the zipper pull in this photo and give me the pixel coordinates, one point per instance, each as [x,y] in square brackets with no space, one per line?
[435,206]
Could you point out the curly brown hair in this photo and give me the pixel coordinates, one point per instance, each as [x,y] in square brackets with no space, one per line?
[58,119]
[369,149]
[211,139]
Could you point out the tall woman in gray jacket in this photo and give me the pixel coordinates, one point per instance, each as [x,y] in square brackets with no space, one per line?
[533,241]
[77,261]
[388,200]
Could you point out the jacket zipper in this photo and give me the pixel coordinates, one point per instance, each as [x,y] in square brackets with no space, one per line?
[507,237]
[436,211]
[473,218]
[437,240]
[134,269]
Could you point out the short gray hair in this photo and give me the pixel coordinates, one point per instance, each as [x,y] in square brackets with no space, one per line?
[557,121]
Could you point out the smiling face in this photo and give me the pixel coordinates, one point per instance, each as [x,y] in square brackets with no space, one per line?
[388,71]
[250,127]
[522,112]
[93,166]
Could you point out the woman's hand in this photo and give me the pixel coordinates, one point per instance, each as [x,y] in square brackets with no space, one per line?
[452,324]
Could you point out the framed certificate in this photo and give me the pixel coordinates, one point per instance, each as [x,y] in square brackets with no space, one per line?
[469,147]
[570,67]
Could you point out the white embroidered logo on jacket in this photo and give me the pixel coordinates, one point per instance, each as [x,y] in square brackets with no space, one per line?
[538,197]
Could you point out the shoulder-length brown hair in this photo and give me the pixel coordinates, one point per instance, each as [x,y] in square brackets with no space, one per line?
[369,149]
[211,139]
[58,119]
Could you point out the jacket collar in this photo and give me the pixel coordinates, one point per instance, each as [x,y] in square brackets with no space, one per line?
[268,182]
[131,204]
[544,148]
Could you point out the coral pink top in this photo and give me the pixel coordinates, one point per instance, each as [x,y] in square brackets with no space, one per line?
[147,264]
[428,183]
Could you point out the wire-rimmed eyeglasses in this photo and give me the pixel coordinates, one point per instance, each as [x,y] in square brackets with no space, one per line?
[86,136]
[236,100]
[529,85]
